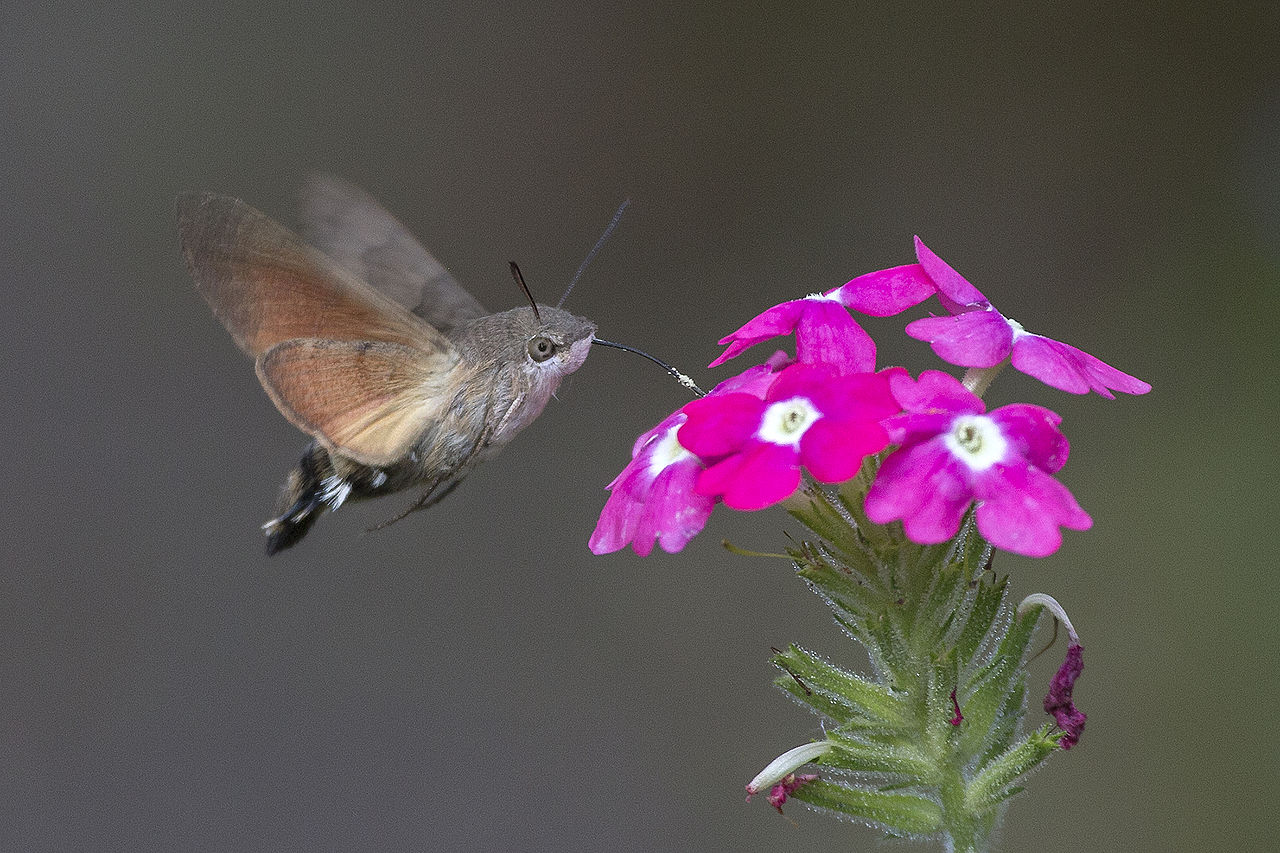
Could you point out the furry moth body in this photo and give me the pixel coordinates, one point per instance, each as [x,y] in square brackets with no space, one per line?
[365,343]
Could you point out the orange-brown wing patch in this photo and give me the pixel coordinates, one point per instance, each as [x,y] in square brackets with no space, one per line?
[267,286]
[370,401]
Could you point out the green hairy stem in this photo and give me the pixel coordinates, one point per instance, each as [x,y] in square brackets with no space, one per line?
[942,637]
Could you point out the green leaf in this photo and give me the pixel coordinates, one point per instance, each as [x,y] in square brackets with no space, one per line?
[842,589]
[983,610]
[833,524]
[1007,722]
[994,694]
[832,708]
[993,784]
[903,813]
[983,706]
[895,752]
[944,598]
[933,619]
[862,697]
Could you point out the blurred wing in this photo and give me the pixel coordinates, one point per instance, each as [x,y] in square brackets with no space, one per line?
[348,225]
[368,401]
[267,286]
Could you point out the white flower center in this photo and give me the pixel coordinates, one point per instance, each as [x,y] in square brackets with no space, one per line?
[667,451]
[1018,330]
[824,297]
[976,441]
[786,422]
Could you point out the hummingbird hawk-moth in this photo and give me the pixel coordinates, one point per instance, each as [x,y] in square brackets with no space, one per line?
[365,342]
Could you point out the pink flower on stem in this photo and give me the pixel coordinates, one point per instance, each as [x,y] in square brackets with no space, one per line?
[977,335]
[811,415]
[954,453]
[825,333]
[653,499]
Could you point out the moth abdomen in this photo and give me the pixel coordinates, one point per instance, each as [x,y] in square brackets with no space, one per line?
[301,501]
[323,481]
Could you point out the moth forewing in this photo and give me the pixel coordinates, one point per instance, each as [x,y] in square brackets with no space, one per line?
[348,225]
[267,286]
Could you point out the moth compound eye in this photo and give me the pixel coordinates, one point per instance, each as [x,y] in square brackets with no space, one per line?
[541,348]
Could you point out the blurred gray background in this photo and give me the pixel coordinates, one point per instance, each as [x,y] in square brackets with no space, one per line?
[472,678]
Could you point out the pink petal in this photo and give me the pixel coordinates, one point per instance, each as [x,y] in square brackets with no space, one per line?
[676,417]
[778,320]
[754,380]
[935,391]
[616,526]
[643,508]
[887,292]
[972,339]
[1066,368]
[910,428]
[826,334]
[673,512]
[799,380]
[1033,433]
[861,396]
[856,395]
[621,514]
[719,424]
[1020,509]
[950,283]
[758,477]
[716,479]
[833,450]
[925,487]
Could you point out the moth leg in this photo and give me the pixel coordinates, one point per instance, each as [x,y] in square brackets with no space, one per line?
[454,476]
[428,499]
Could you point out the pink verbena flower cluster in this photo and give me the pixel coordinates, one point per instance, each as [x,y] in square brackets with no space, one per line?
[747,443]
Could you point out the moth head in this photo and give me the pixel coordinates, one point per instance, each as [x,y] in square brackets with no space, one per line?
[552,343]
[560,341]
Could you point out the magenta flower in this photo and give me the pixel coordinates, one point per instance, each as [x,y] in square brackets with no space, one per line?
[1059,702]
[953,453]
[811,415]
[977,335]
[825,333]
[653,499]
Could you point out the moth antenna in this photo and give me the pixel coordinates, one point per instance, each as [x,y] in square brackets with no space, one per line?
[613,223]
[679,377]
[515,272]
